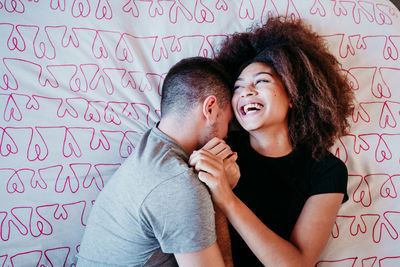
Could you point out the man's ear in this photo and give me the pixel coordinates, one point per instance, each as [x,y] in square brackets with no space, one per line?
[210,107]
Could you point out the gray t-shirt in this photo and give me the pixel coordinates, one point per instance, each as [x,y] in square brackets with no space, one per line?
[152,207]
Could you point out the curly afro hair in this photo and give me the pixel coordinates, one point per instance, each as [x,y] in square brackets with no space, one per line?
[321,97]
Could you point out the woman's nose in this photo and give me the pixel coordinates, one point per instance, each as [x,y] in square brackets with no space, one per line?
[248,91]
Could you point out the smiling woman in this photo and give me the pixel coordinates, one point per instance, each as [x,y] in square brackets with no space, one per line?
[311,75]
[291,102]
[260,101]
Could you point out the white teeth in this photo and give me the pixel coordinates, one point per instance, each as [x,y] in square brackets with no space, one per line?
[253,107]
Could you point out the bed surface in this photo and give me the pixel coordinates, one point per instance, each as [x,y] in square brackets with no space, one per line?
[80,82]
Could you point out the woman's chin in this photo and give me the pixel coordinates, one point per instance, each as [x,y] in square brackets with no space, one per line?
[249,127]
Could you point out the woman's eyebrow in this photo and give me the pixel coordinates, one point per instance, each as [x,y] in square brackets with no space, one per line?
[255,75]
[263,72]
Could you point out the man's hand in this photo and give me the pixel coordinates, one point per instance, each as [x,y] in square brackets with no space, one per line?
[232,170]
[219,148]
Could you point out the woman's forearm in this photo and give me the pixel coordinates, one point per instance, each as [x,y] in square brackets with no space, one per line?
[308,238]
[270,249]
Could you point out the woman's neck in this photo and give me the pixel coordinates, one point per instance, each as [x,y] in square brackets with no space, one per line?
[271,143]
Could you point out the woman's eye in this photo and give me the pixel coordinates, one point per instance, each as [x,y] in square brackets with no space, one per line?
[262,81]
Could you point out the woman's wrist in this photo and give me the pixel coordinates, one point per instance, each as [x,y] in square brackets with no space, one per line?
[229,205]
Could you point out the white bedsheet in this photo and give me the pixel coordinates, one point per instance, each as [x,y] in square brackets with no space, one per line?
[80,81]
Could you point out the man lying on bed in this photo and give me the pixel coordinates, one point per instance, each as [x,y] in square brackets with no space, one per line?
[154,211]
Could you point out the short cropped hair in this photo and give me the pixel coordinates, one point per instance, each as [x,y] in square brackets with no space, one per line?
[312,76]
[190,81]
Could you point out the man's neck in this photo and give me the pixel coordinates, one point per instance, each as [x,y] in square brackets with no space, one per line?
[180,132]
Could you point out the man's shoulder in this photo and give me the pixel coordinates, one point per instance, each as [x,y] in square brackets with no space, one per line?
[159,151]
[154,161]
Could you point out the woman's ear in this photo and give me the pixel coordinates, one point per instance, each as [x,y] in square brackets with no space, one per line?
[210,107]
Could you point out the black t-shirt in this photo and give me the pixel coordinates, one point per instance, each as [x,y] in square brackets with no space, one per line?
[276,189]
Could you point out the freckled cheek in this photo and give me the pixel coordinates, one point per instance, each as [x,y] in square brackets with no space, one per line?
[234,99]
[234,104]
[236,112]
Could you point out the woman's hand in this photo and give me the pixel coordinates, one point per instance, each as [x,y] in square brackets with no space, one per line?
[219,148]
[217,168]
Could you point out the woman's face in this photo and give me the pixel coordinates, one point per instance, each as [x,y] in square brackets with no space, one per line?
[260,100]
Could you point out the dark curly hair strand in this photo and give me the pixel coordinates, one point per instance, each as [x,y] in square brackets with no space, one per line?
[321,97]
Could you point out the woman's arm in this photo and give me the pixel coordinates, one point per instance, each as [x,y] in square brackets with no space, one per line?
[308,238]
[309,235]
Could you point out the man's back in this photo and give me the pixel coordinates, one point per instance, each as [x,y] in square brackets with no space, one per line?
[152,207]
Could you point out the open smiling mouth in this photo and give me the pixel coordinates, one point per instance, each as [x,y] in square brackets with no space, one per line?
[250,108]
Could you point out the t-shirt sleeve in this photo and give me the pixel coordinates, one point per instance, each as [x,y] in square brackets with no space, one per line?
[180,214]
[329,176]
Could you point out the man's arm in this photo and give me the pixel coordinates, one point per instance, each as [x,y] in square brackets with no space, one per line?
[219,148]
[210,256]
[223,237]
